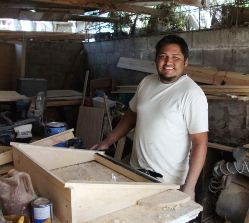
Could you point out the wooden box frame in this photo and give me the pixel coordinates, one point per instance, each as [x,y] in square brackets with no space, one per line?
[78,200]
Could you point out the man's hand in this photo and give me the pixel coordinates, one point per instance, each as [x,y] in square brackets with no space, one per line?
[99,146]
[189,191]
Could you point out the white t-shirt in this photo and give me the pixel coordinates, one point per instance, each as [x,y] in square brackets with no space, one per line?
[166,116]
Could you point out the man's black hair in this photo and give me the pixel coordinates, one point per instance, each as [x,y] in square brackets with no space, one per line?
[173,39]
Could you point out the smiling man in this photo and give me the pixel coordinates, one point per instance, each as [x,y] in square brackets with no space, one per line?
[170,114]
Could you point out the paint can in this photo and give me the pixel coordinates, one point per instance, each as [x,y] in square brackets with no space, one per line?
[42,210]
[53,128]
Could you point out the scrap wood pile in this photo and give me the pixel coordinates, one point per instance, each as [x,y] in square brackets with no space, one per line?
[215,83]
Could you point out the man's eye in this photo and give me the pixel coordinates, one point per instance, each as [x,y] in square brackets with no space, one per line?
[162,57]
[176,58]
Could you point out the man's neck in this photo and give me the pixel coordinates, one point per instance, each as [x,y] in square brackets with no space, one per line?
[170,81]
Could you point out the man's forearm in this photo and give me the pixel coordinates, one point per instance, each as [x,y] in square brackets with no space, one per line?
[127,123]
[197,160]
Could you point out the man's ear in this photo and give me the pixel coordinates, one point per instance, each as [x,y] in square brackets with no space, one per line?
[186,62]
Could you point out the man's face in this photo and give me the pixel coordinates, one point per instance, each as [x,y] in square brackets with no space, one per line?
[170,63]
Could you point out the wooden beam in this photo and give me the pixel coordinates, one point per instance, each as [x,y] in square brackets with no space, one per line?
[20,35]
[57,16]
[103,4]
[196,3]
[220,147]
[55,139]
[225,89]
[6,157]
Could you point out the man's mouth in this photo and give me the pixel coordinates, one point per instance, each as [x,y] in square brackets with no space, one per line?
[168,68]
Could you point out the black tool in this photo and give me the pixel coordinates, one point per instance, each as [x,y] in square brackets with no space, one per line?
[151,173]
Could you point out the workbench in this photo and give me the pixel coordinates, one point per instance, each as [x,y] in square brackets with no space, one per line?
[85,186]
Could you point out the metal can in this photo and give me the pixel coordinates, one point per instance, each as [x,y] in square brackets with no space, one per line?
[42,210]
[53,128]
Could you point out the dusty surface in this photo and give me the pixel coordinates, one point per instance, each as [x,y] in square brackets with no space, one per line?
[90,171]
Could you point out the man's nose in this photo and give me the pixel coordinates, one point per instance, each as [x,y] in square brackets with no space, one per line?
[168,60]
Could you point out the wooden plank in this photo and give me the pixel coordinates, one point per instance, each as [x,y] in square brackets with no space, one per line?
[126,172]
[6,168]
[217,77]
[89,171]
[89,125]
[220,147]
[5,148]
[6,157]
[6,96]
[59,103]
[53,158]
[233,89]
[23,35]
[146,66]
[183,211]
[120,148]
[108,197]
[55,139]
[247,217]
[246,146]
[85,87]
[105,5]
[169,198]
[63,94]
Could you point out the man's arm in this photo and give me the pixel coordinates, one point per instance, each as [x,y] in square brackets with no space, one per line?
[197,160]
[127,122]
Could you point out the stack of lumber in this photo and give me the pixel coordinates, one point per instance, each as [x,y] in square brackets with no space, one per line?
[6,96]
[63,98]
[198,74]
[221,84]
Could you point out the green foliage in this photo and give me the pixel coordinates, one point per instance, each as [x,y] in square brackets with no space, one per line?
[174,20]
[125,20]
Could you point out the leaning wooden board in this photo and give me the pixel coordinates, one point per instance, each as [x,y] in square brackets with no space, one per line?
[105,194]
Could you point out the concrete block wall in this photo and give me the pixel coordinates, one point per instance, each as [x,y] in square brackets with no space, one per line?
[229,122]
[225,49]
[52,61]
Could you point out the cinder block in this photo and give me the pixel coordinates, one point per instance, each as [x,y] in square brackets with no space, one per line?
[122,45]
[100,58]
[241,56]
[243,69]
[205,38]
[112,58]
[195,57]
[140,43]
[107,46]
[93,47]
[152,41]
[221,58]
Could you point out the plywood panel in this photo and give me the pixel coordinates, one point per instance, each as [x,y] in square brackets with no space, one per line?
[55,157]
[89,125]
[90,171]
[7,62]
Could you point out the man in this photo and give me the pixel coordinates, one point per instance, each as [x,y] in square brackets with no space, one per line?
[170,114]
